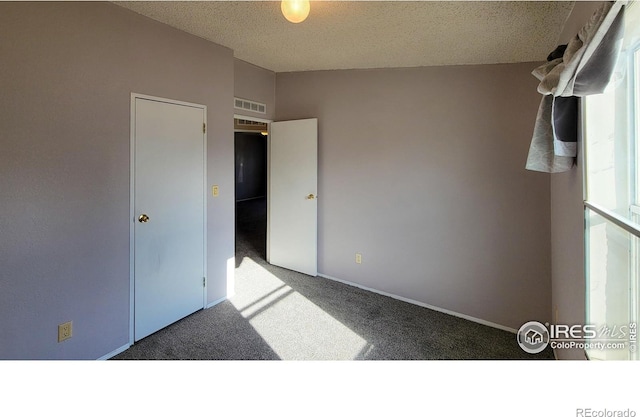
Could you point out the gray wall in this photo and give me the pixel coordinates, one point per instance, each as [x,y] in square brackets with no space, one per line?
[67,73]
[257,84]
[567,221]
[422,171]
[567,244]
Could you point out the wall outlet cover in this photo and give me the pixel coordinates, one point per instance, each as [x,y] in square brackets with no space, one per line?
[65,331]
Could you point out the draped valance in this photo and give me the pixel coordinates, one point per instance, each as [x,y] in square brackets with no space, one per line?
[582,67]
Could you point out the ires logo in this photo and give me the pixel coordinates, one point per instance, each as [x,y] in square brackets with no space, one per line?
[575,332]
[533,337]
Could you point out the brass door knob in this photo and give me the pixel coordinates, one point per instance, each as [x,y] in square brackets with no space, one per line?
[311,197]
[143,218]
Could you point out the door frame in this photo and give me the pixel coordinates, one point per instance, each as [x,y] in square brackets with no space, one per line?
[268,122]
[132,217]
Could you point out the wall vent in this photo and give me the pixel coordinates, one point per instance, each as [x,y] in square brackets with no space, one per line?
[248,105]
[241,124]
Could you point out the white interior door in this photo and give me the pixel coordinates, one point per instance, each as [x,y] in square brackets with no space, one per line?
[292,231]
[169,213]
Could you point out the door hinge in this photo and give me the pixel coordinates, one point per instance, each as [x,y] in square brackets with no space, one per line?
[204,128]
[204,281]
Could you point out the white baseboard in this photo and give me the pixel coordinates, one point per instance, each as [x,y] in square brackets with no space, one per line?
[213,303]
[418,303]
[114,353]
[125,347]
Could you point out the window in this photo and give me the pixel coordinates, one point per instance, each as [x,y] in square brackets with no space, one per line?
[612,202]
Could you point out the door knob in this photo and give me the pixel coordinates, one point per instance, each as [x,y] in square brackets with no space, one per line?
[143,218]
[311,197]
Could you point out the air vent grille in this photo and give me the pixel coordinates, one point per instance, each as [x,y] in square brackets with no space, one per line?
[241,124]
[248,105]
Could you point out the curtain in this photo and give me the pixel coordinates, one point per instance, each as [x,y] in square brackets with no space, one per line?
[584,67]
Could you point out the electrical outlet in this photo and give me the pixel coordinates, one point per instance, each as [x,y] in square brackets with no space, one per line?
[65,331]
[215,190]
[358,258]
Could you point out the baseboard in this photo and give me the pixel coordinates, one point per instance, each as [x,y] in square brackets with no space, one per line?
[421,304]
[213,303]
[125,347]
[114,353]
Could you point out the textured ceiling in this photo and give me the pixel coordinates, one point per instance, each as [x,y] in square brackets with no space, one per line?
[370,34]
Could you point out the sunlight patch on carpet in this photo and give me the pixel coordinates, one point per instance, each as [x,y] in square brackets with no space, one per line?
[294,327]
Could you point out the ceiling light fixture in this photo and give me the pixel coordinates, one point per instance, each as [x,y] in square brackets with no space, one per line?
[295,11]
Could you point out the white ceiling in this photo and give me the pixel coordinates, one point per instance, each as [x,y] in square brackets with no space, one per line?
[371,34]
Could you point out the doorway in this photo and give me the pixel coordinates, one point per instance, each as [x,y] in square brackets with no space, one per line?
[279,224]
[250,149]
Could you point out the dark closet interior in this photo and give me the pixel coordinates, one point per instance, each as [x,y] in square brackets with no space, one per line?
[251,165]
[251,191]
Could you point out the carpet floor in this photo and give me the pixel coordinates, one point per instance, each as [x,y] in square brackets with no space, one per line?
[278,314]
